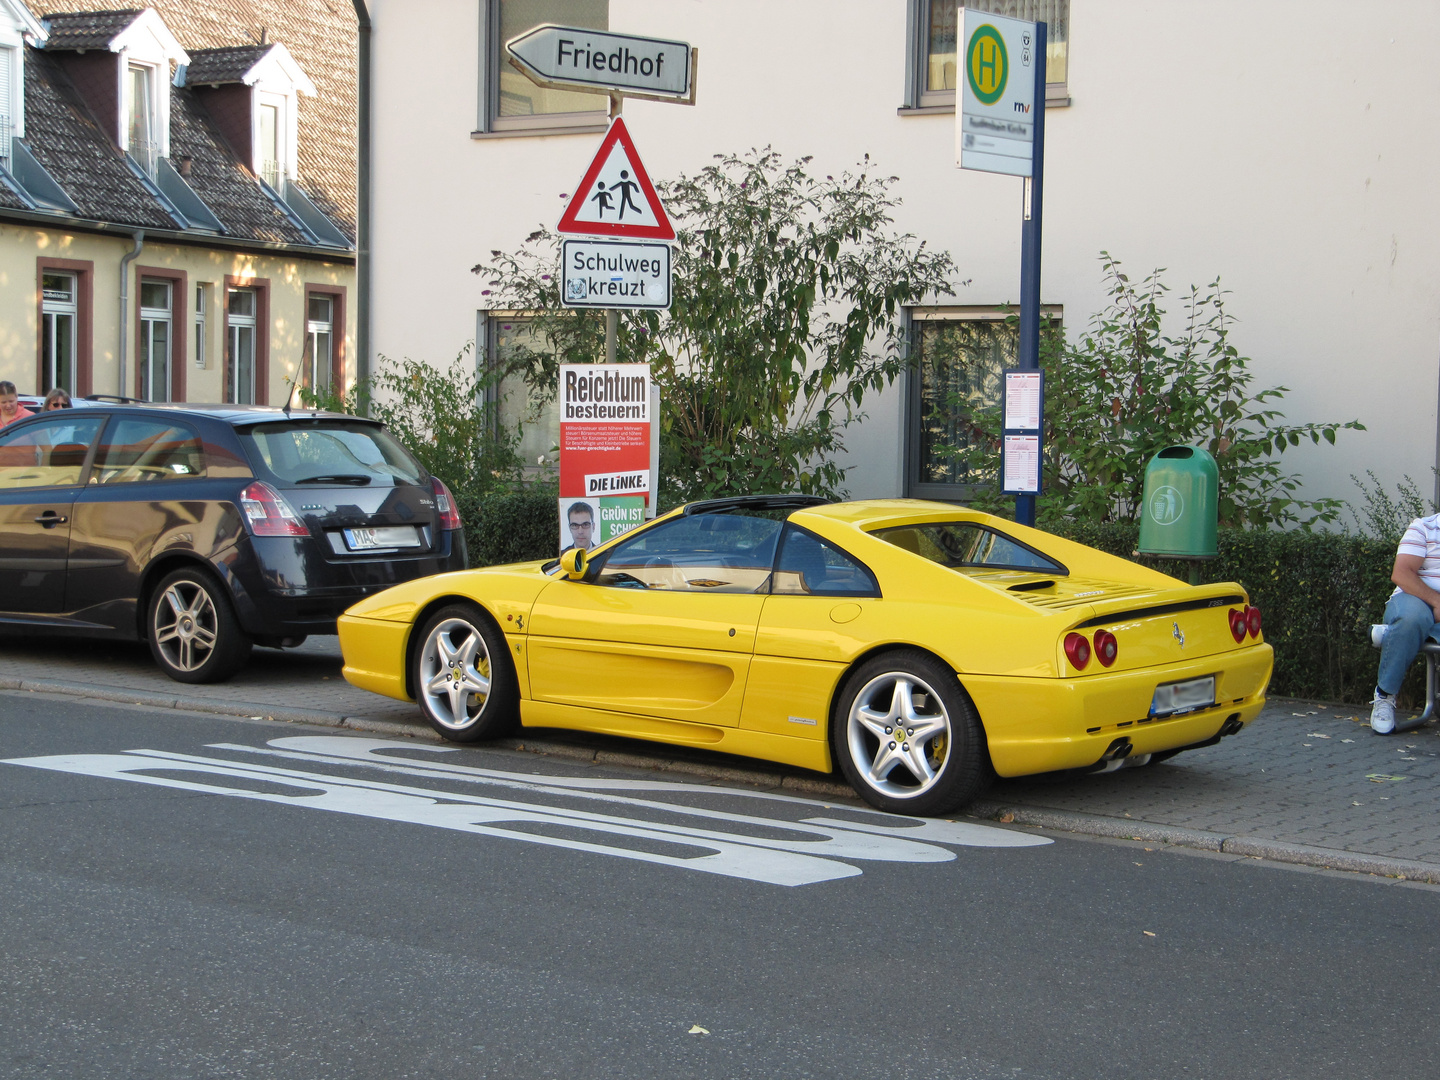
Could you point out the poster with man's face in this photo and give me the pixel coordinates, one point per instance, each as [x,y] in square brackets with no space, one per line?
[588,523]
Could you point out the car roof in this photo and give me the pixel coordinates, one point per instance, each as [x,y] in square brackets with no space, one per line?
[236,415]
[868,514]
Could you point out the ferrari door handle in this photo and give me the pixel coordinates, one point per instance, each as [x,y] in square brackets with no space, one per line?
[50,518]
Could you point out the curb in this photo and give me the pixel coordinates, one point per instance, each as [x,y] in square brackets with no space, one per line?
[1030,816]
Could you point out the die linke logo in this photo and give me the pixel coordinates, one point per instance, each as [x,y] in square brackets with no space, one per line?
[616,197]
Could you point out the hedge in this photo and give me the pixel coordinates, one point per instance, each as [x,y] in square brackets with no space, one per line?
[1318,592]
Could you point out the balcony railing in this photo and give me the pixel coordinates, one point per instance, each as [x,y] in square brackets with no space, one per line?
[270,172]
[6,132]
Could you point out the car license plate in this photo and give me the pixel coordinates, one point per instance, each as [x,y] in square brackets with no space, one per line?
[386,536]
[1171,698]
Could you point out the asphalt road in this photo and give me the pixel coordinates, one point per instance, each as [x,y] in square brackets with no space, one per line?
[193,896]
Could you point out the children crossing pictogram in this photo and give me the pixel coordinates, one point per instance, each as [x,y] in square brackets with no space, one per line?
[616,197]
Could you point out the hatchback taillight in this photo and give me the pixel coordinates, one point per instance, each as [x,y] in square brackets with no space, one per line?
[1106,647]
[1238,625]
[445,504]
[1077,650]
[268,514]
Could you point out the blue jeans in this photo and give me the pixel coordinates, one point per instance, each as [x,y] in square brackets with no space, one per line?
[1410,621]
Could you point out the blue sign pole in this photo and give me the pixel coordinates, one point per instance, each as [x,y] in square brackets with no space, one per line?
[1030,256]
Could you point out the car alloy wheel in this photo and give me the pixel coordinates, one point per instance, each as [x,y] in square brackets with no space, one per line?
[463,677]
[193,633]
[907,737]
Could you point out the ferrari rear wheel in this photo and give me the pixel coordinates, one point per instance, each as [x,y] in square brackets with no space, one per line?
[907,737]
[463,677]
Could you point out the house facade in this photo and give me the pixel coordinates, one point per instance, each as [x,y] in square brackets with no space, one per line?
[1277,146]
[177,212]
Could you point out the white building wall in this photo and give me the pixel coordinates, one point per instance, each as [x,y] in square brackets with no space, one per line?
[1286,146]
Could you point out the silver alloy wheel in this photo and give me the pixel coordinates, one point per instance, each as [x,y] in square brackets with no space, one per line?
[898,721]
[454,674]
[186,625]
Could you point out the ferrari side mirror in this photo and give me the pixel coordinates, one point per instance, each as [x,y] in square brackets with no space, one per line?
[573,563]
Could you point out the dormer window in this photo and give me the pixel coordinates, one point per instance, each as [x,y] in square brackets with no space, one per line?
[269,152]
[17,26]
[141,112]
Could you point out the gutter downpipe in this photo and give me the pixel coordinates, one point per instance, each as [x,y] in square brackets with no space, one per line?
[125,260]
[362,225]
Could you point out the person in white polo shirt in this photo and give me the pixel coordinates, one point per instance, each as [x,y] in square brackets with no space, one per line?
[1411,615]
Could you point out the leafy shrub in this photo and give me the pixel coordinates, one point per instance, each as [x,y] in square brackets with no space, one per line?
[513,526]
[1126,389]
[1382,516]
[788,301]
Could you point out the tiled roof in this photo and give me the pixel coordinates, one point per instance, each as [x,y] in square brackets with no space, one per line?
[64,138]
[225,65]
[322,37]
[85,29]
[227,188]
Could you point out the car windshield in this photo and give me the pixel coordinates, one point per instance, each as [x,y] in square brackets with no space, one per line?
[330,453]
[964,544]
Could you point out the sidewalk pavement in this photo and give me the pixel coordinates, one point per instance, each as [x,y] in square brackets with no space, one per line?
[1306,783]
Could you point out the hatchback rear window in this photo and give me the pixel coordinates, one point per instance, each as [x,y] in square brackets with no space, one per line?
[329,454]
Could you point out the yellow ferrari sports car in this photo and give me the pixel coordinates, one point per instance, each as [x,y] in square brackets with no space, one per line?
[917,645]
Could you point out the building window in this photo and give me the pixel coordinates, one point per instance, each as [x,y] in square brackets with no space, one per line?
[202,307]
[958,373]
[938,26]
[155,337]
[140,104]
[319,342]
[8,88]
[539,425]
[59,314]
[269,154]
[510,102]
[240,334]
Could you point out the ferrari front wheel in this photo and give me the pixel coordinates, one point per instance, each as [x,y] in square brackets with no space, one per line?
[463,677]
[906,736]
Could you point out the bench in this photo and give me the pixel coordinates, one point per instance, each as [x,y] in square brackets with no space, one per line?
[1430,651]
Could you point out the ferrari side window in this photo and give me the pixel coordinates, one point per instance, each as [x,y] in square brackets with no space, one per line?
[730,553]
[810,566]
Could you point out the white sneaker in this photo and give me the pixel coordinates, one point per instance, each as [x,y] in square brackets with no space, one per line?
[1382,714]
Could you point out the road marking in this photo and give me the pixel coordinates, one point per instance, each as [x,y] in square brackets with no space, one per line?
[757,848]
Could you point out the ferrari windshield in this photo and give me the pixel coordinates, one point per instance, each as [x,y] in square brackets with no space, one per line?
[963,544]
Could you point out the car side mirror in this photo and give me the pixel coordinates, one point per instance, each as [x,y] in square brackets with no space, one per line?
[573,563]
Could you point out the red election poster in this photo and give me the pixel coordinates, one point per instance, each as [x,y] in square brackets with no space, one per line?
[604,451]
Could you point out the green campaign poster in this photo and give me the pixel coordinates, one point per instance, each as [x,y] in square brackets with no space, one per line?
[619,514]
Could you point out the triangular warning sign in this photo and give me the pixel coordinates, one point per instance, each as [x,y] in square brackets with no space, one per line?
[615,197]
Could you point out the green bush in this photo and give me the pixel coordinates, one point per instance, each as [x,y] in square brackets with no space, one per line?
[1317,592]
[512,526]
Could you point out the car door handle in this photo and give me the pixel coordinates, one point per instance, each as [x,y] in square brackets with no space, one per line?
[50,518]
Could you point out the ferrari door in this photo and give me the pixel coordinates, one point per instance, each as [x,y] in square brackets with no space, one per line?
[663,625]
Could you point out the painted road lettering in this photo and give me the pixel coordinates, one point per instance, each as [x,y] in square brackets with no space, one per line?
[620,819]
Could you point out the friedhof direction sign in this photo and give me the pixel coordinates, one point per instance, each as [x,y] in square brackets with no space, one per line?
[594,60]
[615,273]
[995,127]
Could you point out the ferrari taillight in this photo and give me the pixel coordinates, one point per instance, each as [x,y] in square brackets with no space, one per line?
[1238,626]
[1077,650]
[1252,620]
[1106,647]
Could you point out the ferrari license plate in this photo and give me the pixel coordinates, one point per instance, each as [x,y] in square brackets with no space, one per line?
[386,536]
[1176,697]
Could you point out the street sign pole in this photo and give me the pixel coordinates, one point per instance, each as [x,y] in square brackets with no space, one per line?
[612,315]
[1029,356]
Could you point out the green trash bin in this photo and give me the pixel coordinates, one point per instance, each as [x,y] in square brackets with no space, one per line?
[1182,487]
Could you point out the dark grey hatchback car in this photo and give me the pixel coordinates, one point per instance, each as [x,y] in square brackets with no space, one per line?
[205,529]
